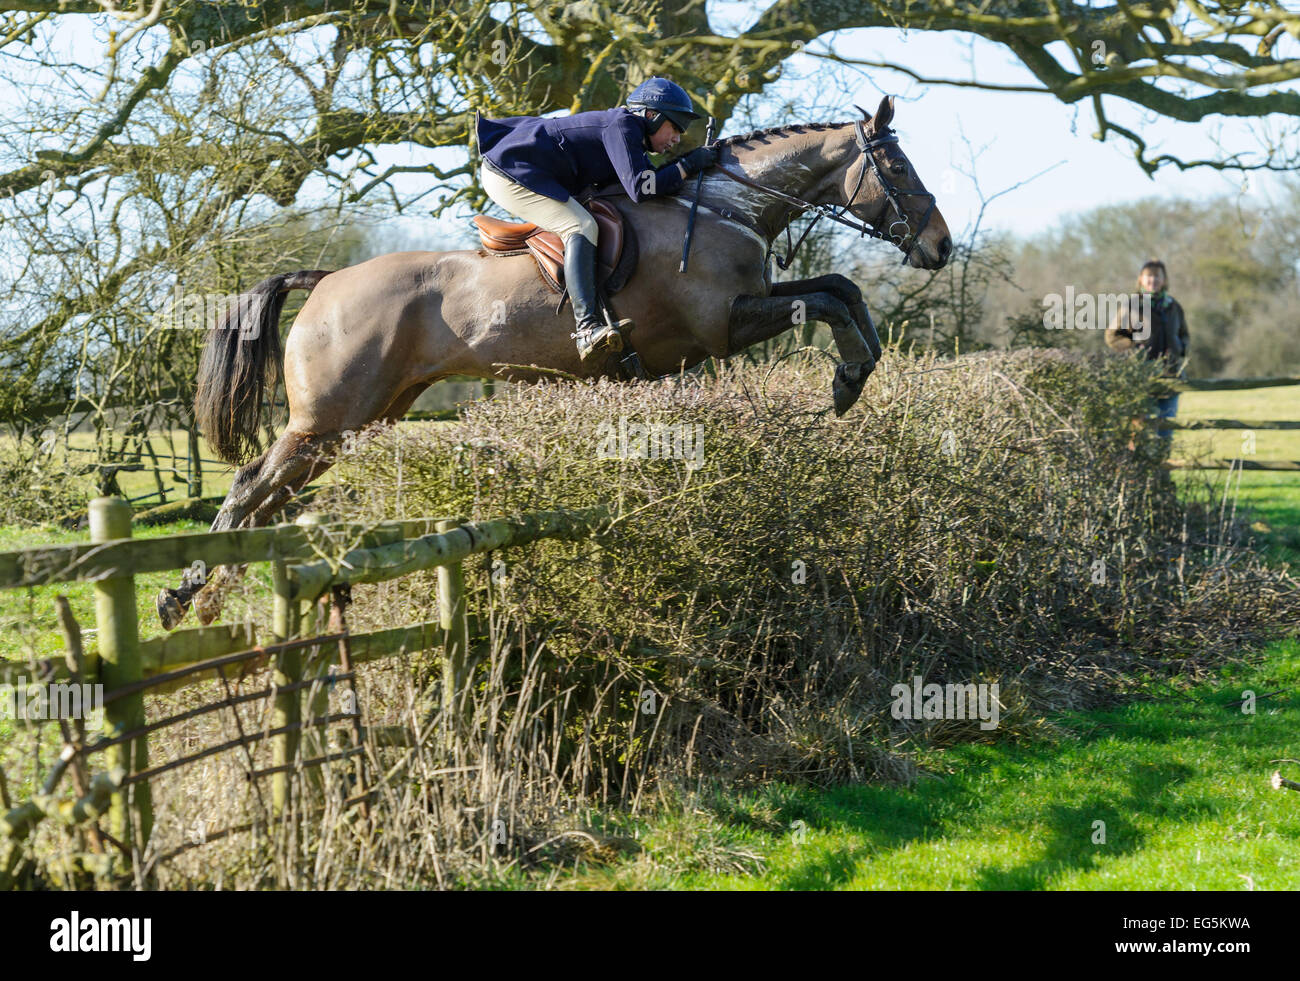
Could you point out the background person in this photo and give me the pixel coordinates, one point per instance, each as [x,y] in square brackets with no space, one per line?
[1164,336]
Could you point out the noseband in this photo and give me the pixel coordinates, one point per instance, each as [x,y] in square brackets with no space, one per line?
[893,198]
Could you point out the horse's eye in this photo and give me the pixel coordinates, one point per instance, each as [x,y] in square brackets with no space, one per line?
[898,167]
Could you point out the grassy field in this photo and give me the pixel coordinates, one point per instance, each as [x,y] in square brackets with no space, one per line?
[217,476]
[1257,405]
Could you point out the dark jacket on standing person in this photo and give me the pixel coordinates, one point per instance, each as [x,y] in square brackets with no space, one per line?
[1168,337]
[558,157]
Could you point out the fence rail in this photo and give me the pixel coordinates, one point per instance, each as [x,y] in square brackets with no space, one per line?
[1202,425]
[310,560]
[1227,384]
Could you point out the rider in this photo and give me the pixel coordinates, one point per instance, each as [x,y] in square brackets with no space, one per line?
[533,167]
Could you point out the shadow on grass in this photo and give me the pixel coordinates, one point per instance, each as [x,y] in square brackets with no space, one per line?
[1075,839]
[886,817]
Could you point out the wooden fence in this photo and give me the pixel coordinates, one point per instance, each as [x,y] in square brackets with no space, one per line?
[1229,384]
[305,662]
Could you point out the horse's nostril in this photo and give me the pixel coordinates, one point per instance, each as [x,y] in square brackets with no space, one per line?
[945,247]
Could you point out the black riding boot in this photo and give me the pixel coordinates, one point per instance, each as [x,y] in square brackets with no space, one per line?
[593,334]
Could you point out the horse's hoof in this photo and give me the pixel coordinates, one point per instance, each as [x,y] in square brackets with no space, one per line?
[170,611]
[847,385]
[206,614]
[844,400]
[207,606]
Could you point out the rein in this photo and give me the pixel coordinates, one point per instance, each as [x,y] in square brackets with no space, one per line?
[893,195]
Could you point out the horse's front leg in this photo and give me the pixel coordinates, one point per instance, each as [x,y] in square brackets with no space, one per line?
[754,319]
[850,295]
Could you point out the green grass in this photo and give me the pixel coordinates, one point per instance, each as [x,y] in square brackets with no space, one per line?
[1180,781]
[1271,500]
[216,477]
[1252,404]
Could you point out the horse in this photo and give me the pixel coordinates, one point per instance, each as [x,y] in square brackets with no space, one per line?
[371,337]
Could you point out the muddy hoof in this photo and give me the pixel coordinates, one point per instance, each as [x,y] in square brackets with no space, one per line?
[170,611]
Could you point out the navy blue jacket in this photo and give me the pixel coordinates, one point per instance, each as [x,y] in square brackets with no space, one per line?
[559,157]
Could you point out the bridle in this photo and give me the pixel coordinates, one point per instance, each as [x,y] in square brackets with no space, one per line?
[867,147]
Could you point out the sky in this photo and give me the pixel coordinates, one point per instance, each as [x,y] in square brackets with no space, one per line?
[1020,137]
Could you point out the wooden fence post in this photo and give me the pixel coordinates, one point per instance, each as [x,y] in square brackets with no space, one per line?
[316,666]
[118,641]
[454,620]
[286,620]
[194,472]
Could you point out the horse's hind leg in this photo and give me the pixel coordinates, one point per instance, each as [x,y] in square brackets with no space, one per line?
[260,490]
[172,603]
[245,485]
[303,462]
[294,461]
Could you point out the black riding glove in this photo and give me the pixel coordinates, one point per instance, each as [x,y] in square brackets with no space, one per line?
[698,159]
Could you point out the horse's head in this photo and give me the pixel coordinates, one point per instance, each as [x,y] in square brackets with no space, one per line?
[882,189]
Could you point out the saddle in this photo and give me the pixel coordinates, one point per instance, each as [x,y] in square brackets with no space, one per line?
[615,250]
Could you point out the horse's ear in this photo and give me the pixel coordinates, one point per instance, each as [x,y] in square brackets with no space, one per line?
[866,116]
[884,115]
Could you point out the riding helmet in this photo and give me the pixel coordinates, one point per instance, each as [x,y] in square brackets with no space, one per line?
[665,97]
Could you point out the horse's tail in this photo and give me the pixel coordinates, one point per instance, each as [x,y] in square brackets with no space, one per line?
[241,360]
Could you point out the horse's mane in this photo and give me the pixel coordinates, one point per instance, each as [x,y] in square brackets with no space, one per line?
[788,130]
